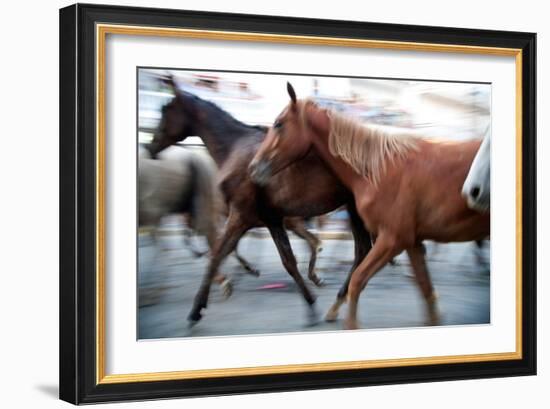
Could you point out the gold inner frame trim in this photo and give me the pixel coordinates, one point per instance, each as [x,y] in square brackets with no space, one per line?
[101,33]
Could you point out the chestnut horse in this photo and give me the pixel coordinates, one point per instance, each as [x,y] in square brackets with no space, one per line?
[407,189]
[283,202]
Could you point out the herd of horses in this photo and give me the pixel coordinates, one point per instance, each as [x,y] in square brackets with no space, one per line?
[399,190]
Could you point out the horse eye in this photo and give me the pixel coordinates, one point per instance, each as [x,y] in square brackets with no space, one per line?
[278,125]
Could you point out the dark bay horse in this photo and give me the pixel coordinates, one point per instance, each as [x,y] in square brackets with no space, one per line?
[406,189]
[233,144]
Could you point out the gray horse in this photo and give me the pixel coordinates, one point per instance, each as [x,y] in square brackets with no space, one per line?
[183,181]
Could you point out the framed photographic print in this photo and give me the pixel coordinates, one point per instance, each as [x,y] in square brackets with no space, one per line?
[258,203]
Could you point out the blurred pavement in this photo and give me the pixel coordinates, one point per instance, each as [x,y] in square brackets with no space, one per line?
[271,303]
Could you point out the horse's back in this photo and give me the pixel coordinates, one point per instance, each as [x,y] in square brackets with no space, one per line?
[170,183]
[420,196]
[438,176]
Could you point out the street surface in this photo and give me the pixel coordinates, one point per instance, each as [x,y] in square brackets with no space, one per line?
[169,276]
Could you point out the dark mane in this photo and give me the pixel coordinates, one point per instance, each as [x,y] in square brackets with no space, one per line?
[219,130]
[221,114]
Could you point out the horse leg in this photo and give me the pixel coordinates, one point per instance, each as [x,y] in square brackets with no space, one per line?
[479,252]
[362,246]
[188,233]
[381,253]
[234,230]
[188,243]
[222,280]
[245,264]
[315,245]
[225,283]
[280,238]
[418,264]
[148,280]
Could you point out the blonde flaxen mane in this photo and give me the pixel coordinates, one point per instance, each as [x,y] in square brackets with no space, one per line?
[366,148]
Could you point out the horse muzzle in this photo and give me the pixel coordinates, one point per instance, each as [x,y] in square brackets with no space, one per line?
[260,172]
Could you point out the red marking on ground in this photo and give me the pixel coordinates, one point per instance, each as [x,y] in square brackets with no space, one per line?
[271,286]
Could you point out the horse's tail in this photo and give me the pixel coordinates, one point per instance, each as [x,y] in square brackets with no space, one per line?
[204,207]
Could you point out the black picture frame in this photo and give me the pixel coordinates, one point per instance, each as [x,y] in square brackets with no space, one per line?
[78,200]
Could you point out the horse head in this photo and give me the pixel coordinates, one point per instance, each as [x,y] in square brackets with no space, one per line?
[477,186]
[288,140]
[177,121]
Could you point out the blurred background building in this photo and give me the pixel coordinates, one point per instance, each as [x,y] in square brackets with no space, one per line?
[435,109]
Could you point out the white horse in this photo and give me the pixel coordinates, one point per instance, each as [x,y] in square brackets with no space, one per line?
[477,186]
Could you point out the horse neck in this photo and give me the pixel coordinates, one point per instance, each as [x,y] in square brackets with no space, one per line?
[341,169]
[220,132]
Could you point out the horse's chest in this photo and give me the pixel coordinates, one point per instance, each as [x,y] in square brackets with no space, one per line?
[369,204]
[382,211]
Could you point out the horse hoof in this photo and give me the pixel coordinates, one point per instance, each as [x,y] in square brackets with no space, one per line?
[193,318]
[434,320]
[227,288]
[319,282]
[331,316]
[312,317]
[188,331]
[253,271]
[350,324]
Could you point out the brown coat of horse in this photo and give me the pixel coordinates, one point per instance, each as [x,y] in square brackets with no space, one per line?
[412,194]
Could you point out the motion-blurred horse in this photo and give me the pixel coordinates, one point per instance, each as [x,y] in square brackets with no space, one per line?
[183,182]
[233,144]
[407,189]
[477,187]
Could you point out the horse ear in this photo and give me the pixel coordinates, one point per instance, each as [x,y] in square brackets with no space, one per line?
[171,82]
[291,92]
